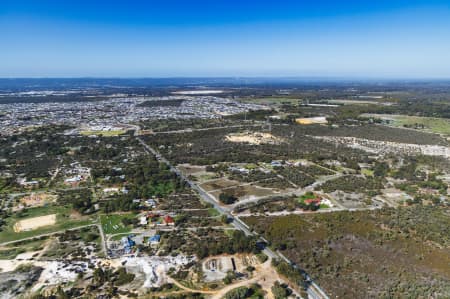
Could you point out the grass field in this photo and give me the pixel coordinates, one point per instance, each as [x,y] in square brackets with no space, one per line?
[103,133]
[63,222]
[431,124]
[213,212]
[306,196]
[112,224]
[367,172]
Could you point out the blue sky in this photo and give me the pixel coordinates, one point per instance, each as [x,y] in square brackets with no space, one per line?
[167,38]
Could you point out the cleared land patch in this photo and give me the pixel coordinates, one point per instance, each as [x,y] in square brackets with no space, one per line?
[33,223]
[218,184]
[246,192]
[254,138]
[37,199]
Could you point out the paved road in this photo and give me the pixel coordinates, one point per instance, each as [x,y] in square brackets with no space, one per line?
[314,291]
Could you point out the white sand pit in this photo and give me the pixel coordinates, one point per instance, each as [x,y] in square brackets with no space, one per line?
[58,272]
[216,268]
[154,269]
[34,223]
[254,138]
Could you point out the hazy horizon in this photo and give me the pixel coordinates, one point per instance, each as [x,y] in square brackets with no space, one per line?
[239,78]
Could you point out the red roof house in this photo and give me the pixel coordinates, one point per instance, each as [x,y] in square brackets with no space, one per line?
[168,220]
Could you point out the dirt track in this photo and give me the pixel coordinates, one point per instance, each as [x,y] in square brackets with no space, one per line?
[265,276]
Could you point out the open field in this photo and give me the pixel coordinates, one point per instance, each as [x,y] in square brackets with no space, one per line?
[431,124]
[246,192]
[34,223]
[218,184]
[112,224]
[63,219]
[197,172]
[367,172]
[191,169]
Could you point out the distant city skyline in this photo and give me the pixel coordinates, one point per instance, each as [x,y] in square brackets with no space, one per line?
[351,39]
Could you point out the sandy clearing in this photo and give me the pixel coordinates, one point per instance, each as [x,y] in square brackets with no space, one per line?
[218,184]
[265,276]
[255,138]
[33,223]
[10,265]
